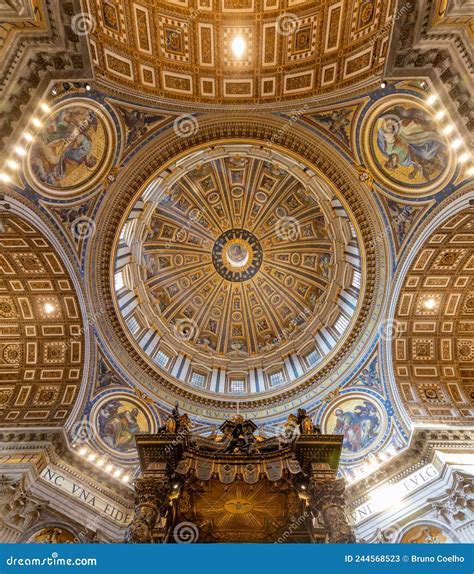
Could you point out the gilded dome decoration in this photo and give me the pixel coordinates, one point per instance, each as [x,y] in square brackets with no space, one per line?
[237,255]
[231,262]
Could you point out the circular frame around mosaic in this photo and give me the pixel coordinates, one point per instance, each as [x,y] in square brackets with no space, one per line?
[404,147]
[362,420]
[116,418]
[73,150]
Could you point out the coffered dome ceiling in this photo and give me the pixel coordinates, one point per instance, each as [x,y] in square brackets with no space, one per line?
[287,49]
[234,274]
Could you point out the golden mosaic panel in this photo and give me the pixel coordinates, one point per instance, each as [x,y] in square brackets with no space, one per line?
[72,152]
[405,148]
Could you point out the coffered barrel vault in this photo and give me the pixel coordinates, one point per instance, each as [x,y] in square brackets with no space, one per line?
[183,50]
[433,348]
[41,332]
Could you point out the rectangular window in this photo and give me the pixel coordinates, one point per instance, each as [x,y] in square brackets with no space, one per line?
[341,324]
[162,359]
[237,386]
[198,380]
[356,279]
[311,358]
[276,379]
[118,281]
[133,325]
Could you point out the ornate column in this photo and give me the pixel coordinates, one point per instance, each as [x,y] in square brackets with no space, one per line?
[19,510]
[327,503]
[151,495]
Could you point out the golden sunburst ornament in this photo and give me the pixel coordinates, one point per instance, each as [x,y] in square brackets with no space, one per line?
[237,255]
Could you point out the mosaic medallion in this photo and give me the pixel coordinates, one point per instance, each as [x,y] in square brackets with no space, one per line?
[72,151]
[405,146]
[360,419]
[237,255]
[117,419]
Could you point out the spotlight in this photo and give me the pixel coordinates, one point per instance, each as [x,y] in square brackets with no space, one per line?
[440,115]
[92,457]
[28,137]
[457,143]
[100,462]
[470,170]
[429,304]
[83,451]
[383,84]
[36,122]
[109,468]
[44,107]
[464,157]
[125,478]
[448,129]
[431,99]
[5,177]
[87,87]
[117,473]
[19,150]
[12,164]
[49,308]
[238,46]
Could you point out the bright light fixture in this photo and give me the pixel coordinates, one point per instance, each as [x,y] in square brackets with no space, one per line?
[470,170]
[4,177]
[44,107]
[83,451]
[28,137]
[431,100]
[118,472]
[125,478]
[429,304]
[100,462]
[448,129]
[457,143]
[12,164]
[109,468]
[440,115]
[36,122]
[49,308]
[464,157]
[238,46]
[19,150]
